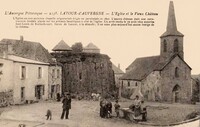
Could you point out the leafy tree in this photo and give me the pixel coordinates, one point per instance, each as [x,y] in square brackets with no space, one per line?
[77,47]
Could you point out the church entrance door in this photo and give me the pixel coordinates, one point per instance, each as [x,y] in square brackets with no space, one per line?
[176,93]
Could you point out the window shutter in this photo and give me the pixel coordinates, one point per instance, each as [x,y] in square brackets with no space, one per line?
[20,72]
[35,91]
[43,89]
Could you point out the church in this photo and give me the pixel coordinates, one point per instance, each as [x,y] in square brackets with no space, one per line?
[163,78]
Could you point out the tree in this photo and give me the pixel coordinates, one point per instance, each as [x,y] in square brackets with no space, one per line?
[77,47]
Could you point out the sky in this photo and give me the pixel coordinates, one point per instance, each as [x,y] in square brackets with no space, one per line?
[122,44]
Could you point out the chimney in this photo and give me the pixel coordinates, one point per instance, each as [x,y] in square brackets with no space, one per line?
[21,39]
[119,66]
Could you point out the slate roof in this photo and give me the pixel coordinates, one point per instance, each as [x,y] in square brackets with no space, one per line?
[62,46]
[24,60]
[91,46]
[141,67]
[117,70]
[26,49]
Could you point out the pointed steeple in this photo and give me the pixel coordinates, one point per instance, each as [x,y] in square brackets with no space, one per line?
[171,23]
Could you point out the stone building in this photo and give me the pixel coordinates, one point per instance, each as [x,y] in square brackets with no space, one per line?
[118,74]
[55,80]
[25,70]
[84,73]
[28,79]
[195,88]
[166,77]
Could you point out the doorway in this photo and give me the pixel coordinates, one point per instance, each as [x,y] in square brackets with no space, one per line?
[52,91]
[39,91]
[22,94]
[176,94]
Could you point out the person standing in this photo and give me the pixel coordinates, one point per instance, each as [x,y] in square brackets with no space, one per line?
[66,106]
[102,108]
[117,106]
[137,106]
[109,108]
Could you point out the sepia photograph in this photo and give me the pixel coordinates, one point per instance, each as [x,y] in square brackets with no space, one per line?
[94,63]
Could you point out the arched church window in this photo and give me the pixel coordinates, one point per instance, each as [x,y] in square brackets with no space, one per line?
[176,72]
[158,89]
[176,45]
[165,46]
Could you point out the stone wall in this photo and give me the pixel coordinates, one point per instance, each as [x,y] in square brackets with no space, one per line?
[54,81]
[118,84]
[195,90]
[86,73]
[30,81]
[151,87]
[131,88]
[169,81]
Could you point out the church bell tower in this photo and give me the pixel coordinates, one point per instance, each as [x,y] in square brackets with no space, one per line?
[172,39]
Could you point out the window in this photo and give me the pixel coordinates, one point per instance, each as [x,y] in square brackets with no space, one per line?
[176,72]
[43,89]
[176,45]
[53,73]
[186,73]
[136,84]
[58,73]
[22,93]
[39,72]
[158,89]
[23,72]
[128,83]
[80,75]
[165,46]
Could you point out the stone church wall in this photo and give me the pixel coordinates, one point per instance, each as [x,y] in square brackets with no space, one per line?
[169,81]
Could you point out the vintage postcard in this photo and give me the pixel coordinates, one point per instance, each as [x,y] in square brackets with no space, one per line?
[95,63]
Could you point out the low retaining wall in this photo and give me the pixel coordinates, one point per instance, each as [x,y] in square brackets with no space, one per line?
[191,123]
[128,114]
[188,123]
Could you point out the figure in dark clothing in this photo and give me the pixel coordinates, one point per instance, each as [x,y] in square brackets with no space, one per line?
[144,114]
[66,106]
[58,97]
[109,109]
[117,106]
[102,108]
